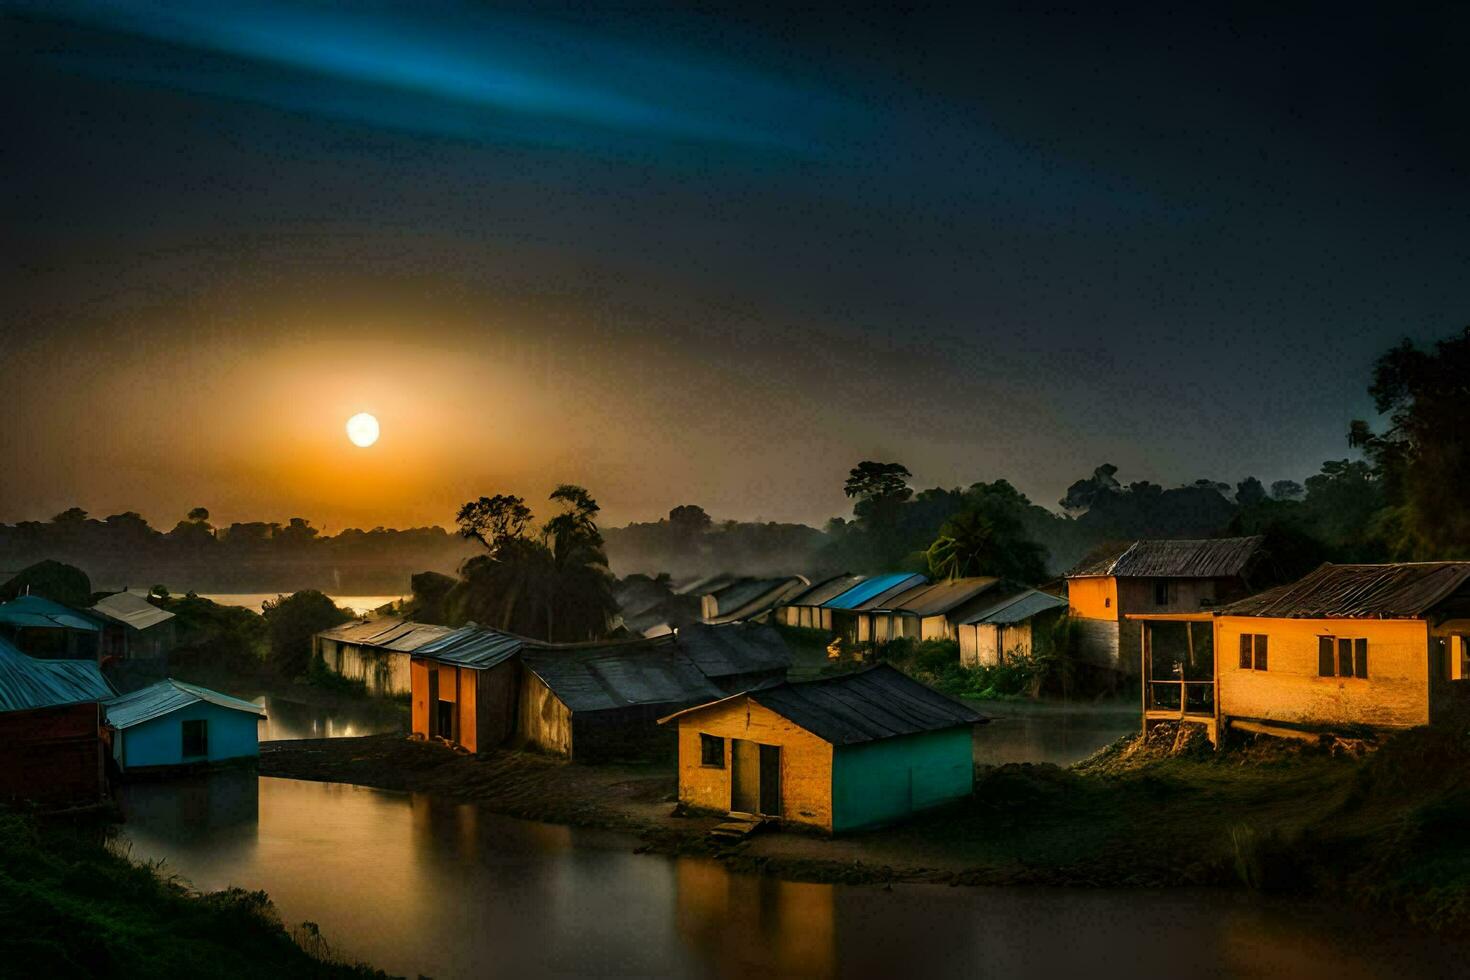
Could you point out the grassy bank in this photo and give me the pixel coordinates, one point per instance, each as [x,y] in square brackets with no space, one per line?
[1382,828]
[71,907]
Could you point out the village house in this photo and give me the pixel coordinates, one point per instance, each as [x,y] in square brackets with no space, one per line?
[134,628]
[1153,578]
[375,652]
[51,744]
[840,753]
[748,598]
[1006,625]
[808,609]
[479,688]
[847,610]
[171,725]
[41,628]
[930,611]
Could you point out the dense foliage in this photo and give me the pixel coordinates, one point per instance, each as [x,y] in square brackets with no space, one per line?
[291,621]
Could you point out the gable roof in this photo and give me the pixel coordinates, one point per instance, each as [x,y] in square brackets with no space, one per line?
[473,646]
[132,610]
[37,612]
[387,633]
[165,697]
[748,598]
[1174,558]
[826,589]
[942,597]
[737,648]
[850,709]
[1014,607]
[1406,590]
[26,682]
[602,678]
[876,589]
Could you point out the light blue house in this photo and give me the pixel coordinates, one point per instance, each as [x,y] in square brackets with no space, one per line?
[173,724]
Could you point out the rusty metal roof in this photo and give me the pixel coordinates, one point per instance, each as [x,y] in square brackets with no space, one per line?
[27,683]
[1174,558]
[1407,590]
[877,703]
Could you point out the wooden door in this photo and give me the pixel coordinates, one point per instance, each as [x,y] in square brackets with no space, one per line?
[433,702]
[745,776]
[770,803]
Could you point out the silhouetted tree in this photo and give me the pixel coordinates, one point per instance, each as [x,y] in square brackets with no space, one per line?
[291,621]
[1249,492]
[52,580]
[988,537]
[494,520]
[1287,490]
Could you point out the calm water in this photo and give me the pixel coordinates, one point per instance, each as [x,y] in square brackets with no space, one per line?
[360,604]
[412,884]
[1025,731]
[294,719]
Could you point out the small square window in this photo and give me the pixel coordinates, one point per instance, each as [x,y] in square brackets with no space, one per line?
[1161,593]
[711,751]
[196,738]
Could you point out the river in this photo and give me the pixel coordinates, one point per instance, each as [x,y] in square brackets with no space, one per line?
[413,885]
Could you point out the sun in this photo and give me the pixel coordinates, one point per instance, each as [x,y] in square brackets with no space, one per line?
[362,429]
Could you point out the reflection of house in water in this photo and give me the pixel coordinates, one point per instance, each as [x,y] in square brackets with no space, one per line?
[195,807]
[756,925]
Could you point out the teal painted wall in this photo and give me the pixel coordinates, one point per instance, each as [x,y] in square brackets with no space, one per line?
[160,742]
[879,782]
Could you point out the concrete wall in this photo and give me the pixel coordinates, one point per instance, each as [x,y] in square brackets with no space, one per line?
[1396,692]
[231,734]
[806,761]
[884,781]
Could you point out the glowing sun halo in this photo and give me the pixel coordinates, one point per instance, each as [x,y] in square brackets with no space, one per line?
[362,429]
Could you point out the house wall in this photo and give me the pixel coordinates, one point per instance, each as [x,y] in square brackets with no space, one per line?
[231,734]
[806,761]
[383,672]
[419,698]
[880,782]
[51,755]
[935,628]
[627,733]
[1394,694]
[542,721]
[1093,598]
[983,645]
[495,700]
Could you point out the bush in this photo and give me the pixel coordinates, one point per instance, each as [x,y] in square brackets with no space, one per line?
[291,621]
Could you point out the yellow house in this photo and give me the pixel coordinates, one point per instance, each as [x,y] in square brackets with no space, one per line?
[839,753]
[1381,646]
[1375,645]
[1154,577]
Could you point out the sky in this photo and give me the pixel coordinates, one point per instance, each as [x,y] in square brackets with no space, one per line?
[712,258]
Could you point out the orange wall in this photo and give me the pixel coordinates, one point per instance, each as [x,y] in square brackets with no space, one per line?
[806,761]
[1394,694]
[419,677]
[1093,598]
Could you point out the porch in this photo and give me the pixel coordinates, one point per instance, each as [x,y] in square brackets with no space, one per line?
[1178,670]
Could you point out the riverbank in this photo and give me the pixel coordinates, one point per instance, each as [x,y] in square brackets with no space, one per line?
[1380,829]
[74,907]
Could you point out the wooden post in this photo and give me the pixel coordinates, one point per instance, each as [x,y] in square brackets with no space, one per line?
[1146,656]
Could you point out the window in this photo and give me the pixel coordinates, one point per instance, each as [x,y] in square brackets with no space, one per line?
[1252,651]
[196,738]
[711,751]
[1161,593]
[1462,657]
[1341,656]
[1107,602]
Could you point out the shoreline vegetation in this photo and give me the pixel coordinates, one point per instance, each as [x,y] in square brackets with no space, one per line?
[76,906]
[1375,826]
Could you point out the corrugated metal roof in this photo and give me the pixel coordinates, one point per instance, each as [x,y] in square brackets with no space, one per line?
[1015,607]
[941,597]
[739,648]
[387,633]
[756,597]
[1174,558]
[166,697]
[132,610]
[877,587]
[27,683]
[1406,590]
[35,612]
[601,678]
[826,589]
[474,646]
[877,703]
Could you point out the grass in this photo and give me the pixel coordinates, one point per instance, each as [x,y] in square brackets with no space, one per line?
[72,907]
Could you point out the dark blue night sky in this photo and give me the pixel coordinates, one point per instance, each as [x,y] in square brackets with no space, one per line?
[713,257]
